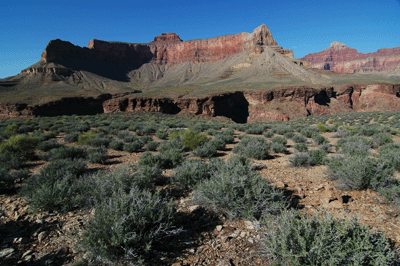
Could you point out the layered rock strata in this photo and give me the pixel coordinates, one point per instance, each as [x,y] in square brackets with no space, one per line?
[250,106]
[340,58]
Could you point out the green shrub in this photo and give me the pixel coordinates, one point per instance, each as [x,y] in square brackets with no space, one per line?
[322,128]
[390,154]
[191,140]
[301,147]
[190,173]
[235,190]
[279,139]
[71,137]
[268,134]
[319,139]
[133,147]
[129,225]
[206,150]
[48,145]
[11,129]
[56,187]
[23,145]
[382,138]
[116,145]
[84,138]
[147,138]
[317,157]
[354,146]
[152,145]
[278,148]
[99,142]
[65,152]
[97,155]
[294,239]
[253,147]
[171,152]
[359,172]
[299,138]
[162,133]
[301,159]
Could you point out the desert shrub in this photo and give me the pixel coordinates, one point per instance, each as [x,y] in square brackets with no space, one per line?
[268,134]
[84,138]
[219,142]
[390,154]
[279,139]
[301,159]
[10,130]
[341,132]
[212,132]
[294,239]
[208,149]
[129,225]
[116,145]
[317,157]
[289,135]
[152,145]
[359,172]
[278,148]
[299,138]
[44,136]
[71,137]
[301,147]
[190,173]
[56,187]
[10,160]
[23,145]
[235,190]
[133,146]
[319,139]
[99,142]
[354,146]
[8,177]
[382,138]
[256,129]
[162,133]
[147,138]
[171,152]
[65,152]
[281,129]
[309,132]
[48,145]
[191,140]
[322,127]
[175,134]
[97,155]
[253,147]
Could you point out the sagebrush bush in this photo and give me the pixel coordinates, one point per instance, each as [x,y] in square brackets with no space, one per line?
[382,138]
[278,148]
[319,139]
[301,159]
[253,147]
[191,172]
[301,147]
[317,157]
[129,226]
[99,142]
[116,145]
[359,172]
[162,133]
[133,146]
[152,145]
[390,154]
[192,140]
[354,146]
[48,145]
[206,150]
[65,152]
[71,137]
[279,139]
[84,138]
[57,187]
[171,152]
[299,138]
[97,155]
[295,239]
[322,127]
[20,144]
[235,190]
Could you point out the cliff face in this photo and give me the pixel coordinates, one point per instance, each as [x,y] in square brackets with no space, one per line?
[250,106]
[340,58]
[167,48]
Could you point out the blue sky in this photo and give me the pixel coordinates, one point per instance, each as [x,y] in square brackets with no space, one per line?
[306,26]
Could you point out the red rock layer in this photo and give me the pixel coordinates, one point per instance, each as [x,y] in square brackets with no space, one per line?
[340,58]
[165,49]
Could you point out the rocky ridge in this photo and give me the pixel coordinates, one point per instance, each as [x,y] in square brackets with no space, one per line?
[340,58]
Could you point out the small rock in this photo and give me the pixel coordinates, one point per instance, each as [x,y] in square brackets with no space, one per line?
[243,234]
[235,234]
[249,225]
[21,240]
[29,252]
[219,228]
[6,252]
[38,221]
[194,208]
[280,185]
[251,240]
[42,236]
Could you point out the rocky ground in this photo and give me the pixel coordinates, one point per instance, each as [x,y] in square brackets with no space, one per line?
[29,238]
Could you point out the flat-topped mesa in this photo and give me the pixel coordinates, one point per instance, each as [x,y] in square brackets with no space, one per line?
[167,37]
[167,48]
[340,58]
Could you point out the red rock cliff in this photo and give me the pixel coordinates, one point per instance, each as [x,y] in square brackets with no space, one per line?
[340,58]
[167,48]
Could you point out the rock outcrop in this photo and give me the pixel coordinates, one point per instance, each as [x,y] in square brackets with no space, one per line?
[167,48]
[250,106]
[340,58]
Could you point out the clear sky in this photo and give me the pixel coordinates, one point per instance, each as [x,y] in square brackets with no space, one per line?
[306,26]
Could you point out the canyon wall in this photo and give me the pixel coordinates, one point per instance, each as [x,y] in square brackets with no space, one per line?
[250,106]
[167,48]
[342,59]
